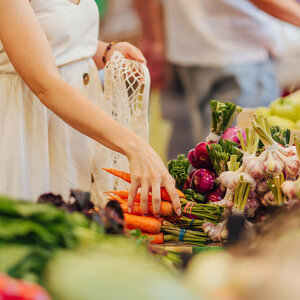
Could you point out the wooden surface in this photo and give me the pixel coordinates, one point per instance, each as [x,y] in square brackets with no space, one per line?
[184,247]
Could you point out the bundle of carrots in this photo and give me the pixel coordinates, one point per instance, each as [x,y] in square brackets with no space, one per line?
[149,226]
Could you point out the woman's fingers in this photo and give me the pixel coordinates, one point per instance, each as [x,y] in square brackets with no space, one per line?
[135,54]
[132,193]
[156,198]
[144,198]
[170,187]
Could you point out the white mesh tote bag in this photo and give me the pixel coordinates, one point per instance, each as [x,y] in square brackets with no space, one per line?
[126,98]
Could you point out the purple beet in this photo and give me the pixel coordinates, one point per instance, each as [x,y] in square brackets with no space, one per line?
[192,159]
[202,157]
[203,181]
[215,196]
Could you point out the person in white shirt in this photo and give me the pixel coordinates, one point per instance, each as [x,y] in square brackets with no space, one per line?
[222,49]
[50,103]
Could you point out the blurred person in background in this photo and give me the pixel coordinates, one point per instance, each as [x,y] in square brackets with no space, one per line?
[222,49]
[50,103]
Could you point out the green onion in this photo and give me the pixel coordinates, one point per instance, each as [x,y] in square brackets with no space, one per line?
[175,233]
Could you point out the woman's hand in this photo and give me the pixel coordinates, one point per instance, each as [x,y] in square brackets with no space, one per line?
[129,51]
[150,174]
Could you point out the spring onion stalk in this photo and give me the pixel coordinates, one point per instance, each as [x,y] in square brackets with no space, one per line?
[275,187]
[241,195]
[208,212]
[264,136]
[174,233]
[281,136]
[251,143]
[242,141]
[297,144]
[188,223]
[220,154]
[233,165]
[223,115]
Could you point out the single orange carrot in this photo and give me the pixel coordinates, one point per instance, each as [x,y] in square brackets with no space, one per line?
[122,194]
[165,196]
[119,199]
[146,224]
[126,177]
[118,173]
[157,238]
[166,209]
[125,194]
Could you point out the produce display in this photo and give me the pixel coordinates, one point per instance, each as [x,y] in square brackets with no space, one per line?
[73,250]
[284,112]
[235,172]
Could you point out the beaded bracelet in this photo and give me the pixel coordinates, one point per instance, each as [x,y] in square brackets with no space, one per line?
[107,49]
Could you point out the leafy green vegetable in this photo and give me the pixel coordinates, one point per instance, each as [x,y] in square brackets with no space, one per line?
[223,115]
[185,161]
[220,154]
[191,195]
[281,136]
[179,168]
[31,233]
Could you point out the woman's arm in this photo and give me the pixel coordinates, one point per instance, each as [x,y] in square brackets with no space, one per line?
[31,55]
[128,50]
[285,10]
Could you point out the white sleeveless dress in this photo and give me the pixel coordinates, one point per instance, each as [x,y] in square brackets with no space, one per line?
[39,153]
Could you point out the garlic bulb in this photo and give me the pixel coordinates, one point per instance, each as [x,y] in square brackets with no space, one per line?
[289,189]
[251,207]
[262,187]
[254,166]
[268,199]
[288,151]
[273,165]
[230,179]
[216,233]
[291,165]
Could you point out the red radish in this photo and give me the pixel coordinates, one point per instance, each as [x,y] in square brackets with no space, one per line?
[231,134]
[202,157]
[215,196]
[203,181]
[192,159]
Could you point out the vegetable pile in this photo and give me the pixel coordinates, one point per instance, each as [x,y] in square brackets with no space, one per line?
[170,227]
[237,172]
[234,172]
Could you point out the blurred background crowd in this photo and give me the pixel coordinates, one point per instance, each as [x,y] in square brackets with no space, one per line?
[202,50]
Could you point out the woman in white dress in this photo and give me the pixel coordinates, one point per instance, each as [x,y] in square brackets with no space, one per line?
[50,90]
